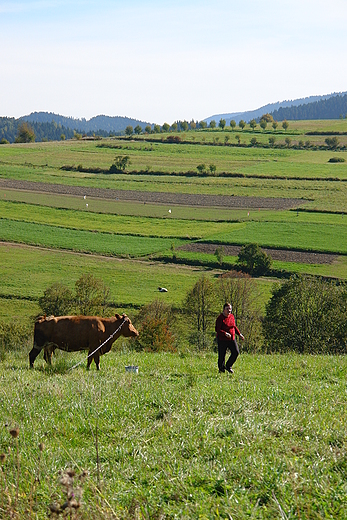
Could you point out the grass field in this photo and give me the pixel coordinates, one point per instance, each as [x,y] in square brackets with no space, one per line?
[178,440]
[133,229]
[27,271]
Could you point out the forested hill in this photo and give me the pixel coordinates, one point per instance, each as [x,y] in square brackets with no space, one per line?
[270,108]
[114,124]
[43,131]
[51,127]
[332,108]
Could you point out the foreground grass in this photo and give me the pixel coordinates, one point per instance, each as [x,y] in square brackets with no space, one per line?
[178,440]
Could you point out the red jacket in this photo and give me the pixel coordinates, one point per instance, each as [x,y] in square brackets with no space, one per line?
[226,324]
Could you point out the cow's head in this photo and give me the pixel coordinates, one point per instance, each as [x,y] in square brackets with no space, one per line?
[128,329]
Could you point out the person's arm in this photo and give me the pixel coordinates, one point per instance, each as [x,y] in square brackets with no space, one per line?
[239,333]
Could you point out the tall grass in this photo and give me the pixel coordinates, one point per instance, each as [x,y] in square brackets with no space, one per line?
[179,439]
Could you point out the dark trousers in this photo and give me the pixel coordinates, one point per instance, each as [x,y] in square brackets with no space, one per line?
[223,346]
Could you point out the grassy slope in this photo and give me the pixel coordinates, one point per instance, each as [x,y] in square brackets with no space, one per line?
[27,271]
[179,439]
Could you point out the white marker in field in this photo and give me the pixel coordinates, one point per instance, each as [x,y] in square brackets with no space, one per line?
[169,210]
[86,205]
[85,197]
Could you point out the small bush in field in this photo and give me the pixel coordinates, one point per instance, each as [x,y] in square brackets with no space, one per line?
[336,160]
[14,335]
[155,333]
[57,300]
[91,295]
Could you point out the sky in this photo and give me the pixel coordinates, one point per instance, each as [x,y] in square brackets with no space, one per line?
[167,60]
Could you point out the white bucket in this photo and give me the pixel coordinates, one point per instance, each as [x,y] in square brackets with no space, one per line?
[132,368]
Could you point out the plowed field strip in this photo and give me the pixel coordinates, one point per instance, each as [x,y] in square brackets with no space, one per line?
[224,201]
[276,254]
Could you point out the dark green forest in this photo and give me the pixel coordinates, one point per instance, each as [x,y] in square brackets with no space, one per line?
[44,131]
[96,124]
[332,108]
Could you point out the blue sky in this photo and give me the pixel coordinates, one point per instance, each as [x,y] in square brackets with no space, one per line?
[166,60]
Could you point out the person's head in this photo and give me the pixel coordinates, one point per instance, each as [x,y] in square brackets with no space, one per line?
[227,308]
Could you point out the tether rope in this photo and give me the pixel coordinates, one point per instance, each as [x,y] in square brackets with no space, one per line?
[99,347]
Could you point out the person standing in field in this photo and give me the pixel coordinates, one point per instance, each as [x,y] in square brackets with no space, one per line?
[226,329]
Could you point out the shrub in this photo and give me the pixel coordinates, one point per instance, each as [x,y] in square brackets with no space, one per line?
[201,168]
[332,142]
[307,315]
[155,333]
[254,260]
[91,295]
[173,139]
[254,141]
[14,335]
[219,254]
[57,300]
[4,141]
[120,163]
[336,160]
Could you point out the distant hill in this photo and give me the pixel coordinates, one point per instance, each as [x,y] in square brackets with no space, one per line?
[331,108]
[114,124]
[43,131]
[274,108]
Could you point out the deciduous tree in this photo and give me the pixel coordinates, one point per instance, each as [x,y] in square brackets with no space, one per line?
[25,134]
[254,260]
[120,163]
[200,306]
[57,300]
[91,295]
[253,124]
[306,314]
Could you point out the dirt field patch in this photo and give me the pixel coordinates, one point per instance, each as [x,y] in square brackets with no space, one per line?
[276,254]
[183,199]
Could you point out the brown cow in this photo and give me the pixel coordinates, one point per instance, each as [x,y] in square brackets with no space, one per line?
[73,333]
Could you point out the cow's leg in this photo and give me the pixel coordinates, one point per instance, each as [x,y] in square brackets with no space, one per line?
[34,352]
[97,360]
[89,361]
[47,354]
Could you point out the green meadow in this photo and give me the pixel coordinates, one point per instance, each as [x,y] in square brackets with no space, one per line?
[177,440]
